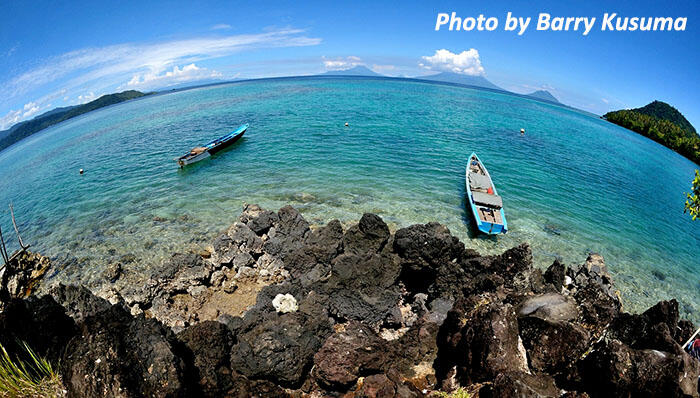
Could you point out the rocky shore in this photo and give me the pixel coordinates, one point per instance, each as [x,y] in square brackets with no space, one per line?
[276,308]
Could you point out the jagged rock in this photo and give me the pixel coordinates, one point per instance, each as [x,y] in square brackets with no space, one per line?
[279,348]
[191,271]
[512,262]
[480,338]
[40,322]
[552,346]
[347,355]
[423,248]
[118,355]
[522,385]
[369,235]
[258,220]
[362,288]
[210,345]
[614,369]
[216,278]
[78,302]
[380,386]
[596,264]
[556,275]
[19,276]
[652,329]
[328,236]
[373,314]
[243,260]
[290,232]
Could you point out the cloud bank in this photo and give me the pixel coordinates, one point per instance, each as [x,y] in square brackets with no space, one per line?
[136,65]
[466,62]
[342,63]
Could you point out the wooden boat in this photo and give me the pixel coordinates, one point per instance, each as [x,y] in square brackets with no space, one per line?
[203,152]
[485,204]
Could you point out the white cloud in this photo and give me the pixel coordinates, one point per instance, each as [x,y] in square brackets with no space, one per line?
[342,63]
[86,97]
[177,75]
[221,26]
[104,69]
[29,110]
[466,62]
[605,100]
[10,118]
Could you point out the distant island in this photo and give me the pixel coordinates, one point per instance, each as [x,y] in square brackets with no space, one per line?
[543,95]
[458,78]
[662,123]
[449,77]
[358,70]
[24,129]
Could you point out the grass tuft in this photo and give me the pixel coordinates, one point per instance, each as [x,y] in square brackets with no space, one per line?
[35,378]
[458,393]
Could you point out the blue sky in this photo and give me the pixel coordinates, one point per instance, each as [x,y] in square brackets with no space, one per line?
[63,53]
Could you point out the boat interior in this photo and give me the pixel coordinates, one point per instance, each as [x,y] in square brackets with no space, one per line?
[488,204]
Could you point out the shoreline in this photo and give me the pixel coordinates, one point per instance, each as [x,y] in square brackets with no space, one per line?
[276,307]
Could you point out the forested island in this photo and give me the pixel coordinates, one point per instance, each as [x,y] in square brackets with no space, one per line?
[662,123]
[29,127]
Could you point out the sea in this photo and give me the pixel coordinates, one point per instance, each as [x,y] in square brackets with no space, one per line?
[571,185]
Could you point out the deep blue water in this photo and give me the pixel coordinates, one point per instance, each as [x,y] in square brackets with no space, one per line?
[573,184]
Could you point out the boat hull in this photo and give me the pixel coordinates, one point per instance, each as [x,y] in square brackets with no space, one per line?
[487,219]
[201,156]
[227,143]
[212,147]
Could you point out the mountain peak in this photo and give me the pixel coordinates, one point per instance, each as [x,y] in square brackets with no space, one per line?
[665,111]
[359,70]
[458,78]
[543,95]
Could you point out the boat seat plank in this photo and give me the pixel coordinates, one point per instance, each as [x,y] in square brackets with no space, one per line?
[485,199]
[489,215]
[479,181]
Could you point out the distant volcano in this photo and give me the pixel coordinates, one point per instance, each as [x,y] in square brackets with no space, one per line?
[450,77]
[358,70]
[543,95]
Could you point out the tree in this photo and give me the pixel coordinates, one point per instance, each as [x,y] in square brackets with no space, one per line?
[692,203]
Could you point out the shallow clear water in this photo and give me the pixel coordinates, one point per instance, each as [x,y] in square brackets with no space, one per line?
[573,184]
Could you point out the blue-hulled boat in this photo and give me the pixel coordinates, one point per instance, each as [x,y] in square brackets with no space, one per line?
[485,204]
[203,152]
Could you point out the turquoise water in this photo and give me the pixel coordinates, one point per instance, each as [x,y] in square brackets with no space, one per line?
[572,184]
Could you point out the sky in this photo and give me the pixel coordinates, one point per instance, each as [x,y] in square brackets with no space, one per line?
[56,54]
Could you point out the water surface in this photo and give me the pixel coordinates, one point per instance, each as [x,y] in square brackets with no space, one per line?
[573,184]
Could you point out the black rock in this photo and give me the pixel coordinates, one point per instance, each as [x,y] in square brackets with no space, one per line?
[279,348]
[116,354]
[41,323]
[210,346]
[555,274]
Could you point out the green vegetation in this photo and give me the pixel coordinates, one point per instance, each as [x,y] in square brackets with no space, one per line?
[665,111]
[29,127]
[35,378]
[458,393]
[692,203]
[663,124]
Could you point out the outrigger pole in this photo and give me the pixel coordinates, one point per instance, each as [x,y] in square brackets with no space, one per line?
[691,338]
[14,223]
[3,250]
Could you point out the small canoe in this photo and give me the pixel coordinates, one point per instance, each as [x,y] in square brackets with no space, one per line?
[203,152]
[485,204]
